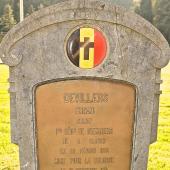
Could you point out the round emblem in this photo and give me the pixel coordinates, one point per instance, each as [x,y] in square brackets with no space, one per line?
[86,47]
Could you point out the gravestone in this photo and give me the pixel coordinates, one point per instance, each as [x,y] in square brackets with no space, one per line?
[84,87]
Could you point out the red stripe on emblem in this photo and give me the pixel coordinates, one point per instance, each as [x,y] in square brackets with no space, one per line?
[100,47]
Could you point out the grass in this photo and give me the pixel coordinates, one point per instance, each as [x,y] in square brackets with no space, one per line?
[160,151]
[8,152]
[159,158]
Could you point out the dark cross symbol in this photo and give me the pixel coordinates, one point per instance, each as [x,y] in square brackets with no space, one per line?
[86,45]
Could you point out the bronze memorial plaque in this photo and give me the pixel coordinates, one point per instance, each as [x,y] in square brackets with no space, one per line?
[85,125]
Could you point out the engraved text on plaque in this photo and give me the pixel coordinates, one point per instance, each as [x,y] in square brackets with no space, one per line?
[85,125]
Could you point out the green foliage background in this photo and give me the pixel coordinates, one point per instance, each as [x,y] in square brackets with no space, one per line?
[157,12]
[145,10]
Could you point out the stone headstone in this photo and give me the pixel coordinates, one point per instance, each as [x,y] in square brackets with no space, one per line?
[84,86]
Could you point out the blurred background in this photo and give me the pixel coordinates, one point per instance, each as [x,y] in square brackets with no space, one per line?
[155,11]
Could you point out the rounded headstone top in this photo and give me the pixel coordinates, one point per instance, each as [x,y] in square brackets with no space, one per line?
[70,10]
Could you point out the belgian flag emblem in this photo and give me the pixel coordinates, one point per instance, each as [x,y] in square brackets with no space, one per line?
[86,48]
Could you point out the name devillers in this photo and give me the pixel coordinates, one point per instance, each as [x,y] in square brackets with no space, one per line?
[85,98]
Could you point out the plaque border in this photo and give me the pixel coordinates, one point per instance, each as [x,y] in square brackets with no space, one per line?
[84,78]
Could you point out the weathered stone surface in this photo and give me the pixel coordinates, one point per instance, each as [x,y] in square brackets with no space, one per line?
[35,50]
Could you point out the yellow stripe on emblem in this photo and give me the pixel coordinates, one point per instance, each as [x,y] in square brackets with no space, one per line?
[87,63]
[86,33]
